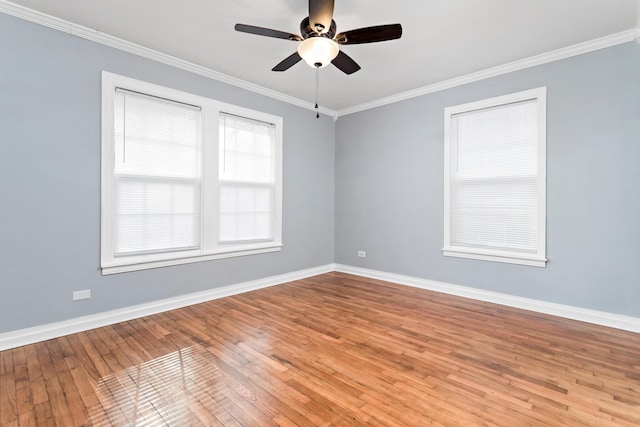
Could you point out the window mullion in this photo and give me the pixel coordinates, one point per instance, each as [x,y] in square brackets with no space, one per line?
[210,183]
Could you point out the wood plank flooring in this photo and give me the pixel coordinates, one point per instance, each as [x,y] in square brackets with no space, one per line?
[332,350]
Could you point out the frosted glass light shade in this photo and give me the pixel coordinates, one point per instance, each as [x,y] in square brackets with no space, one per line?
[318,51]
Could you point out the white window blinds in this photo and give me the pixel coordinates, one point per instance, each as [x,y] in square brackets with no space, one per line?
[185,178]
[247,179]
[495,179]
[157,174]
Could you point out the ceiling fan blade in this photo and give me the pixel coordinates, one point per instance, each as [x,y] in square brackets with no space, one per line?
[268,32]
[378,33]
[345,63]
[288,62]
[320,15]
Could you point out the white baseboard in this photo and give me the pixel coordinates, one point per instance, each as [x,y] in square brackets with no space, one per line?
[612,320]
[35,334]
[54,330]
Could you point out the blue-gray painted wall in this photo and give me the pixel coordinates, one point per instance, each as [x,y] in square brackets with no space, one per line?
[50,109]
[381,169]
[389,185]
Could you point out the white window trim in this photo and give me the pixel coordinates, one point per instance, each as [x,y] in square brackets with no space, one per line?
[539,259]
[210,249]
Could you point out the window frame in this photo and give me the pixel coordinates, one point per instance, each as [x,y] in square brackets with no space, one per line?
[538,259]
[210,248]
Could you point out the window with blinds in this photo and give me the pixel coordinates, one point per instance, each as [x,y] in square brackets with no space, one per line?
[495,179]
[156,174]
[247,178]
[185,178]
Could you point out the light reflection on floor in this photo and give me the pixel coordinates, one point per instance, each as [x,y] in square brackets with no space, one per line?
[174,389]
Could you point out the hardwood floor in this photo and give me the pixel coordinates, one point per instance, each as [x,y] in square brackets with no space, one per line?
[330,350]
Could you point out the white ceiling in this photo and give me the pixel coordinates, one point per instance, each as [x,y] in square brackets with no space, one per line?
[442,39]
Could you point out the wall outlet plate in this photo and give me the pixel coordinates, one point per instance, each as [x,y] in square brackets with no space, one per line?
[84,294]
[362,254]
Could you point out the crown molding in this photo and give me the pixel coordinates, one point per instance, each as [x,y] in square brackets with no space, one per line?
[555,55]
[43,19]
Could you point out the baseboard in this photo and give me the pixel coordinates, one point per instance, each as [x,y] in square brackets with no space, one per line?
[612,320]
[54,330]
[35,334]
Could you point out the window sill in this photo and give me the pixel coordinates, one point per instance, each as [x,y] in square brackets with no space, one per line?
[521,259]
[125,265]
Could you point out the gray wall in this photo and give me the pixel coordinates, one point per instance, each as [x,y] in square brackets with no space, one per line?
[389,193]
[386,164]
[50,85]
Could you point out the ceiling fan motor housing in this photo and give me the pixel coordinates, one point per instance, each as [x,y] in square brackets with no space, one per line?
[306,30]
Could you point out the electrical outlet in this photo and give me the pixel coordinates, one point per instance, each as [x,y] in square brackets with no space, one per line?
[84,294]
[362,254]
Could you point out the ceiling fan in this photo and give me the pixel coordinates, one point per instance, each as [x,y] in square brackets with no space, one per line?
[319,44]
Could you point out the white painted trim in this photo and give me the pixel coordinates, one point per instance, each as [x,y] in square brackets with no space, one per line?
[39,333]
[210,249]
[468,253]
[53,330]
[136,49]
[602,318]
[537,258]
[107,40]
[555,55]
[126,266]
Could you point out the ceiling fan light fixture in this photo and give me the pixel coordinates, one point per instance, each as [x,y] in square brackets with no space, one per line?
[318,52]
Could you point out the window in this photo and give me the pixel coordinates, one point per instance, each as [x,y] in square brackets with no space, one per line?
[495,179]
[246,179]
[185,178]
